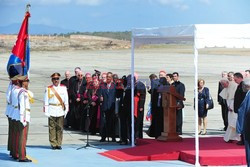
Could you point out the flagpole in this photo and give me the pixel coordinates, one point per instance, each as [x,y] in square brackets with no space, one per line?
[26,41]
[28,7]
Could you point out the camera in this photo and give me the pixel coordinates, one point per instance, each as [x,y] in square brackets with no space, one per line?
[97,73]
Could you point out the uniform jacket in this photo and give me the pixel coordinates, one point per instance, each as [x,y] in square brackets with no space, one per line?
[52,105]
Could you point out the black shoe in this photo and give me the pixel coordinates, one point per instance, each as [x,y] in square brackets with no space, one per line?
[24,160]
[179,133]
[58,147]
[229,141]
[15,158]
[120,141]
[124,143]
[102,140]
[240,143]
[53,148]
[113,140]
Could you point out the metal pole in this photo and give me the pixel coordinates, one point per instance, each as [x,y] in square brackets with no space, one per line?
[197,163]
[132,92]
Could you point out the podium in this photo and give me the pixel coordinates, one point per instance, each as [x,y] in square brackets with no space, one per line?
[169,97]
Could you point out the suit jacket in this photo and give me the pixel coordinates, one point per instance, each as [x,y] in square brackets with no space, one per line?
[109,96]
[141,89]
[238,97]
[66,83]
[180,88]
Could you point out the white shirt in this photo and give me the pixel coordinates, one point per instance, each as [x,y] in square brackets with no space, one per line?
[24,103]
[8,99]
[14,111]
[52,105]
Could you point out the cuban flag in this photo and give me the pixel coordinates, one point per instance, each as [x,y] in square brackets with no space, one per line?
[19,61]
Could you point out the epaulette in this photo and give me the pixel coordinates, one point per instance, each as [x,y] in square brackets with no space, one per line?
[21,91]
[62,85]
[50,86]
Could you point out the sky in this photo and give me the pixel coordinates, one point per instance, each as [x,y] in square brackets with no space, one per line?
[124,15]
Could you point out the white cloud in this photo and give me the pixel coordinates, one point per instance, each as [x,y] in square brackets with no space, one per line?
[208,2]
[89,2]
[53,2]
[48,2]
[179,4]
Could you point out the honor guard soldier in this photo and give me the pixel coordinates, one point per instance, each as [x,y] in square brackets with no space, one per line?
[25,97]
[14,115]
[56,108]
[7,113]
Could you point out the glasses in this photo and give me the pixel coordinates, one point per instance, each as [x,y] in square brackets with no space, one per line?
[79,75]
[55,79]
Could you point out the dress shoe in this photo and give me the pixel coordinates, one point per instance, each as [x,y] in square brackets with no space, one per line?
[124,143]
[58,147]
[24,160]
[200,132]
[102,140]
[229,141]
[204,133]
[15,158]
[53,148]
[113,140]
[179,133]
[240,143]
[120,141]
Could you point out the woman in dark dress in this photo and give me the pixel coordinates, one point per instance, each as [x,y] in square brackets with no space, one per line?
[203,95]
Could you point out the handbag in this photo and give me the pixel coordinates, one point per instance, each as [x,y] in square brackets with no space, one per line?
[210,102]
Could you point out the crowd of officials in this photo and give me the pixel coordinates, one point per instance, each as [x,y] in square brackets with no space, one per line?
[101,103]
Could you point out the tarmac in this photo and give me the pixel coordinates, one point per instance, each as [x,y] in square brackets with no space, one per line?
[147,61]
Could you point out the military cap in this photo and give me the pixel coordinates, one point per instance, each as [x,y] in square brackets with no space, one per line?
[56,74]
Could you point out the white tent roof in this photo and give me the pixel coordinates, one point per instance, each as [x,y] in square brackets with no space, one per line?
[206,35]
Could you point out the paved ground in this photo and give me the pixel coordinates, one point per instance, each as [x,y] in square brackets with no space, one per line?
[43,64]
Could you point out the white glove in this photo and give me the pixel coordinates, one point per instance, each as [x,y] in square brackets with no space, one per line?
[24,124]
[47,114]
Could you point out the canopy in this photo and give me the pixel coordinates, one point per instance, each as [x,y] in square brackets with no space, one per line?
[201,36]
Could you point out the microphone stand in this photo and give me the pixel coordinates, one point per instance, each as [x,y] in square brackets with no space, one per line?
[87,144]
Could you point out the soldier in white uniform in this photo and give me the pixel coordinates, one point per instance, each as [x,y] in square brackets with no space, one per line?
[56,108]
[23,125]
[7,113]
[14,114]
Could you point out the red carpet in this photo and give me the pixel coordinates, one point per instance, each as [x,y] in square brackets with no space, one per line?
[213,151]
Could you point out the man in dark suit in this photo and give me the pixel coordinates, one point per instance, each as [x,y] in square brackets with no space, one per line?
[107,95]
[243,121]
[238,98]
[140,97]
[180,88]
[66,83]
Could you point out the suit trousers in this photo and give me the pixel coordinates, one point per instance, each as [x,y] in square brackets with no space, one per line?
[23,134]
[56,131]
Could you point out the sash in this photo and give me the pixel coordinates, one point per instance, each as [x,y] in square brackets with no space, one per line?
[136,104]
[58,97]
